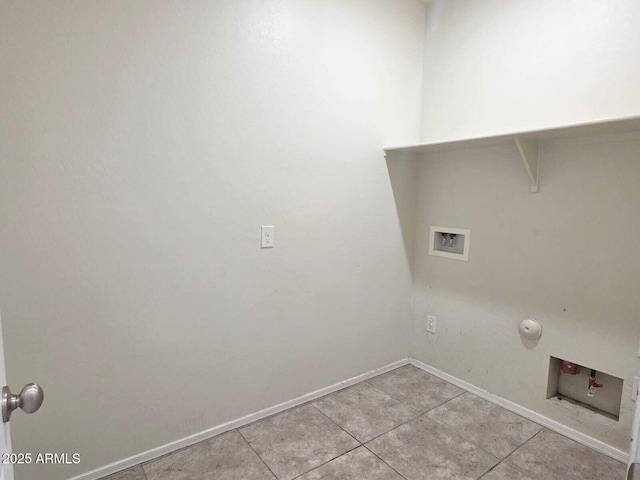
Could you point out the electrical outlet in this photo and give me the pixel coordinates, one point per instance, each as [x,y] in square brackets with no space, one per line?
[431,324]
[268,236]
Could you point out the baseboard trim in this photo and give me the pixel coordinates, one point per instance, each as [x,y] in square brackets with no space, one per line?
[233,424]
[267,412]
[581,438]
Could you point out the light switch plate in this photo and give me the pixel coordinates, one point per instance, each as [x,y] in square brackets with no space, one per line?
[431,324]
[268,236]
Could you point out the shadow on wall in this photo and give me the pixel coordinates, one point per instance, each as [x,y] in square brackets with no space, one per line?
[403,177]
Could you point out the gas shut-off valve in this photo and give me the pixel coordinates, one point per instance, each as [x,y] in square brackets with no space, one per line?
[572,369]
[593,385]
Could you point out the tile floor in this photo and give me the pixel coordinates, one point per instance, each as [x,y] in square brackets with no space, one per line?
[404,424]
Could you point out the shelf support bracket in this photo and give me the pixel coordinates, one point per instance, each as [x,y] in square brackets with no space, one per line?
[529,153]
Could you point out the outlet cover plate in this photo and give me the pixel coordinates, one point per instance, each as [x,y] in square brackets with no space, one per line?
[268,236]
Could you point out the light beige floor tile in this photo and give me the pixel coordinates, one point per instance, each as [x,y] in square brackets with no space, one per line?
[415,387]
[424,450]
[358,464]
[303,443]
[297,441]
[550,456]
[365,411]
[225,457]
[135,473]
[504,472]
[494,429]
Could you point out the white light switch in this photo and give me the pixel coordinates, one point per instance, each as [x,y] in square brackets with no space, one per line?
[431,324]
[267,236]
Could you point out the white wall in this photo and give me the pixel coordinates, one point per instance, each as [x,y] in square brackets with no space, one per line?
[567,256]
[496,66]
[491,67]
[142,145]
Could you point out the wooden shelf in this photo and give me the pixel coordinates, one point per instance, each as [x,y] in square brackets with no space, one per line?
[527,142]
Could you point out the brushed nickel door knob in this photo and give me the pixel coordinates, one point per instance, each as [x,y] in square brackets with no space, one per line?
[29,400]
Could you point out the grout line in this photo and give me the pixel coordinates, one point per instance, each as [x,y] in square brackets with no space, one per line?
[463,392]
[396,399]
[509,466]
[519,446]
[546,422]
[473,442]
[424,414]
[380,390]
[412,418]
[257,454]
[375,455]
[383,433]
[328,461]
[338,425]
[491,470]
[441,382]
[310,403]
[463,438]
[452,432]
[364,444]
[393,428]
[384,391]
[500,406]
[144,473]
[505,458]
[251,418]
[360,444]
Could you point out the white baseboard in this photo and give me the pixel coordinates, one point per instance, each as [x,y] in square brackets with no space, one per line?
[240,422]
[528,414]
[225,427]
